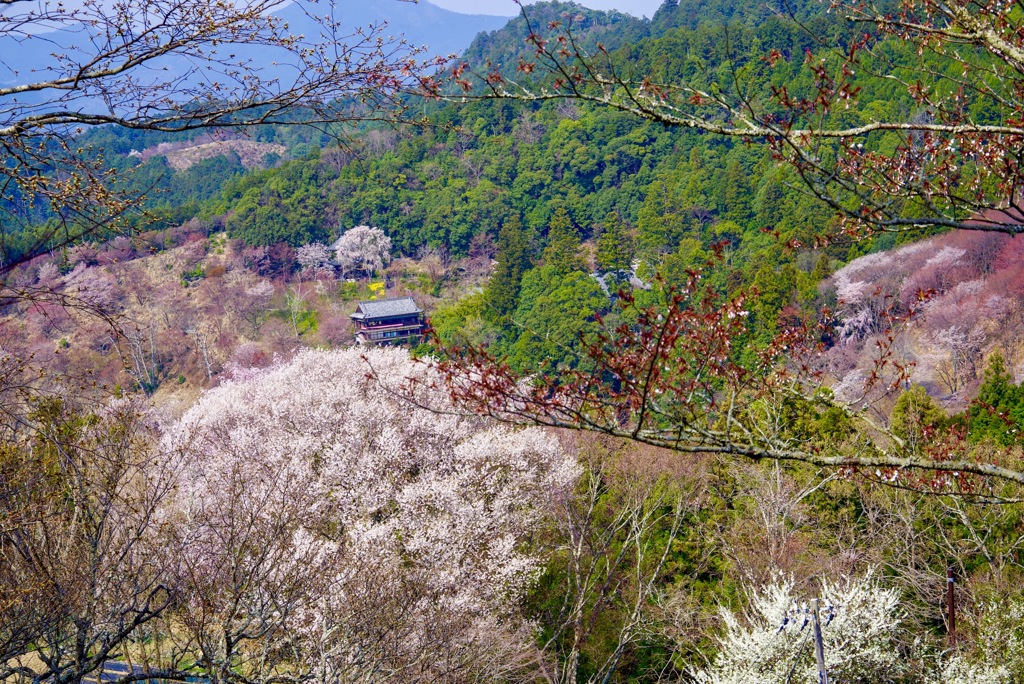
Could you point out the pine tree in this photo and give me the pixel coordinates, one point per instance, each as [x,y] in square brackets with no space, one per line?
[654,222]
[997,413]
[563,250]
[513,259]
[736,194]
[614,248]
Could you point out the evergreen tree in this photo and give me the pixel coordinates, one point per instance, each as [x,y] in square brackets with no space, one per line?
[614,248]
[822,269]
[555,310]
[563,250]
[736,194]
[769,204]
[655,222]
[998,412]
[914,416]
[513,259]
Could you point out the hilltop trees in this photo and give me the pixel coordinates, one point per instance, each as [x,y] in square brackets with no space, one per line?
[166,65]
[911,120]
[903,118]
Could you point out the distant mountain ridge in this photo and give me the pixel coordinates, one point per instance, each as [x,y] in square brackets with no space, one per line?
[441,31]
[503,48]
[421,24]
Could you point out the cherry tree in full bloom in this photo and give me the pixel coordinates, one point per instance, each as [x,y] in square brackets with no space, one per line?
[362,249]
[314,259]
[332,529]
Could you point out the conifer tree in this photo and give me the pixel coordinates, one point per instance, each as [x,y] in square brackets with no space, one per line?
[513,259]
[736,194]
[999,410]
[654,221]
[563,250]
[614,251]
[822,269]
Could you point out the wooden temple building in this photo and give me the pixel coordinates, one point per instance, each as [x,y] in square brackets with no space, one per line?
[389,321]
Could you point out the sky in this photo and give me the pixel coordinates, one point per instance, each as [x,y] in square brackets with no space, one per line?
[508,8]
[501,8]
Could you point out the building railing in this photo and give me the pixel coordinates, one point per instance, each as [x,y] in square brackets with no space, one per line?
[392,334]
[390,326]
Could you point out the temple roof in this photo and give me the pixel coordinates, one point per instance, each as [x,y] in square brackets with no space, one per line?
[387,308]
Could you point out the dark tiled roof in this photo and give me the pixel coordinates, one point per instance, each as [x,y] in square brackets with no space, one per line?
[387,308]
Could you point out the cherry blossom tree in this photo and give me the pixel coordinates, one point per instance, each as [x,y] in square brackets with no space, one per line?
[314,259]
[328,528]
[363,249]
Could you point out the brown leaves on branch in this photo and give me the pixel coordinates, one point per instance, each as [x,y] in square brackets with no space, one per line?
[684,374]
[667,375]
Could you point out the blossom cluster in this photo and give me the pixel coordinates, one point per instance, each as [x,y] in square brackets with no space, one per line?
[327,489]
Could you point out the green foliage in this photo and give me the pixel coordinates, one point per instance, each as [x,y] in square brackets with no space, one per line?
[563,251]
[283,205]
[465,322]
[513,257]
[443,185]
[614,247]
[197,273]
[998,413]
[915,417]
[555,310]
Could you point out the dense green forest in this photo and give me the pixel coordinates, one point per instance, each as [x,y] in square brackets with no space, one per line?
[557,190]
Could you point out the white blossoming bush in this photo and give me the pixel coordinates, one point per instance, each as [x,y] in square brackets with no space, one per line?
[1000,650]
[313,258]
[769,641]
[959,670]
[360,536]
[755,647]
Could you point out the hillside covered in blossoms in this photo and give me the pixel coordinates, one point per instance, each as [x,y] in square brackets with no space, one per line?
[612,349]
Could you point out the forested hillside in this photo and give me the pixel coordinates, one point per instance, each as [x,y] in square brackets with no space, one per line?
[631,192]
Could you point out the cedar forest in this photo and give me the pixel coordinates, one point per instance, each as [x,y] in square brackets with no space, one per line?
[203,478]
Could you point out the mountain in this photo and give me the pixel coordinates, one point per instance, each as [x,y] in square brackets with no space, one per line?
[440,31]
[504,47]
